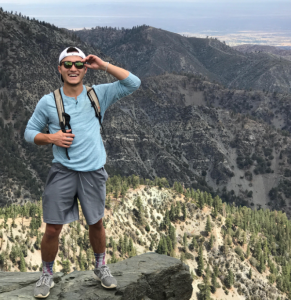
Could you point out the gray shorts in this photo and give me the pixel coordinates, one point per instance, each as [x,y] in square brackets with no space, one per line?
[64,186]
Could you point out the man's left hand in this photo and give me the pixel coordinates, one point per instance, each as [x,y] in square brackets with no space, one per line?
[94,62]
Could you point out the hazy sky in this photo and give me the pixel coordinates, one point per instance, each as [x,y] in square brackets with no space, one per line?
[207,17]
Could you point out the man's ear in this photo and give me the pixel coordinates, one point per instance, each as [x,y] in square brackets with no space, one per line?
[86,69]
[59,68]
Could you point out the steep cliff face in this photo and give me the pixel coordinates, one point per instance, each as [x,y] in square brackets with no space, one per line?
[149,51]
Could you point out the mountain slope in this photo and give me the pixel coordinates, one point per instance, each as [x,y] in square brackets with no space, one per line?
[149,51]
[171,128]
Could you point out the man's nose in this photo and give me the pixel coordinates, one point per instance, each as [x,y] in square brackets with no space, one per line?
[73,67]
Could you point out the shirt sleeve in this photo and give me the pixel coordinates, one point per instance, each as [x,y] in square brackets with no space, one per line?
[111,92]
[37,122]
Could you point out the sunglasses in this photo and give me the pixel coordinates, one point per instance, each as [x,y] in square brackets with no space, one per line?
[69,64]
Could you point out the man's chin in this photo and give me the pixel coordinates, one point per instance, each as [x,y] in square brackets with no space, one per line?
[73,84]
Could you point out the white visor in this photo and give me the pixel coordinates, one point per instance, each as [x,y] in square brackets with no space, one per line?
[65,54]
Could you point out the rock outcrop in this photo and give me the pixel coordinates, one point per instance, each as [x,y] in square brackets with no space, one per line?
[148,276]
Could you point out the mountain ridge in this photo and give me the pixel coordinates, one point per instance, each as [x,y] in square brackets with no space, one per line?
[149,51]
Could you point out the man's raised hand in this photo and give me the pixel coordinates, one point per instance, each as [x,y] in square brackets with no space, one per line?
[94,62]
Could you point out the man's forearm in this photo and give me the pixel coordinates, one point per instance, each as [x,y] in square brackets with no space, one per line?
[117,72]
[42,139]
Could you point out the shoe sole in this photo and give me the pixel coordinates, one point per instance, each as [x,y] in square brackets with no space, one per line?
[42,296]
[112,286]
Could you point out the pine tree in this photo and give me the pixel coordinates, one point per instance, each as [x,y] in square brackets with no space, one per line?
[172,213]
[177,210]
[184,211]
[205,292]
[208,225]
[167,218]
[22,263]
[248,251]
[228,222]
[11,234]
[81,260]
[169,245]
[172,234]
[200,262]
[244,238]
[200,201]
[216,270]
[257,250]
[207,275]
[175,186]
[140,210]
[213,282]
[125,242]
[250,273]
[209,199]
[262,265]
[130,248]
[214,213]
[194,243]
[230,278]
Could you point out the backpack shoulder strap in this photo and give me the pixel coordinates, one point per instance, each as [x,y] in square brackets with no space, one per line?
[95,103]
[63,117]
[60,108]
[93,98]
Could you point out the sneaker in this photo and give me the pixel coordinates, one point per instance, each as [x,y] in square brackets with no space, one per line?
[43,286]
[107,280]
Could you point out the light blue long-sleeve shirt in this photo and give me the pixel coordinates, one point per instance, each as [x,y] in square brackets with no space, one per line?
[87,152]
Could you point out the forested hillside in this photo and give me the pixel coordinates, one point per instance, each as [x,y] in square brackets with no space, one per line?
[231,251]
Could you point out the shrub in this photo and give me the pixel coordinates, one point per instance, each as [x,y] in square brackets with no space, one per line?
[253,262]
[188,255]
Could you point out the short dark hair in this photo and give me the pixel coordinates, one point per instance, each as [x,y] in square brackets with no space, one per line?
[72,49]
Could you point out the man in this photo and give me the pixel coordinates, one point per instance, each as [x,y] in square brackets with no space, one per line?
[79,158]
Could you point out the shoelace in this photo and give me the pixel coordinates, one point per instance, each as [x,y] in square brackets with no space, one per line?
[105,272]
[44,279]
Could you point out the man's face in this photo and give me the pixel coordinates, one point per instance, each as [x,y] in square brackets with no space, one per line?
[72,76]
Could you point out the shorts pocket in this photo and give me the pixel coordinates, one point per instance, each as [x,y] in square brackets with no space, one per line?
[52,174]
[105,173]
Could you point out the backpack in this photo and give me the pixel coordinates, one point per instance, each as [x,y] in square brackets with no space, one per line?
[64,118]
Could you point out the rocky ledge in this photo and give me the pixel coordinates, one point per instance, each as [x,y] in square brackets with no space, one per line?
[148,276]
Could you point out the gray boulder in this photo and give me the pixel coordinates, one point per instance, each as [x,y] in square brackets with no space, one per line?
[148,276]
